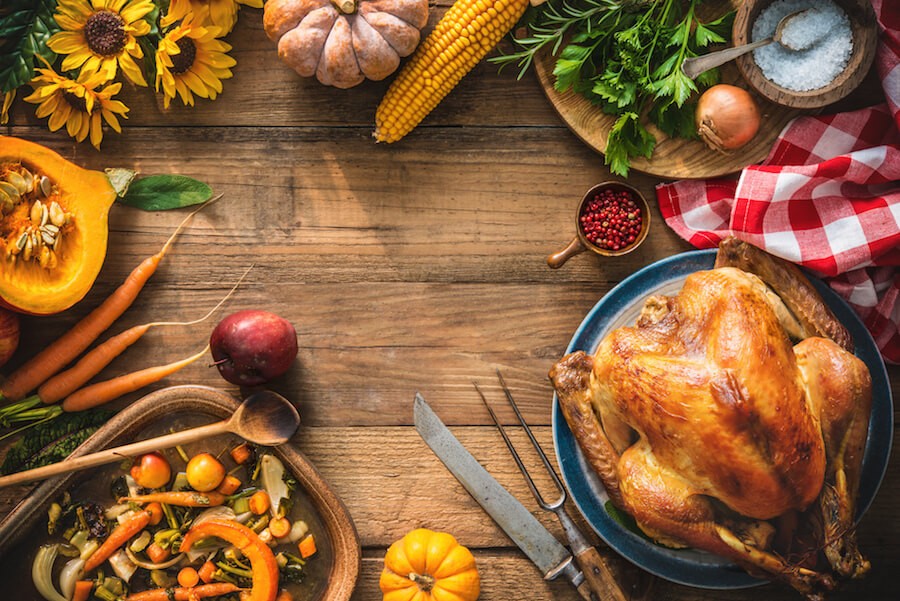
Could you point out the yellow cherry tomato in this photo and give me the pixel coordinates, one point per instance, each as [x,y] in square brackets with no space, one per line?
[151,471]
[205,472]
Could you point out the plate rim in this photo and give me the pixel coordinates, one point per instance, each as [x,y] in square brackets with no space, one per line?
[722,576]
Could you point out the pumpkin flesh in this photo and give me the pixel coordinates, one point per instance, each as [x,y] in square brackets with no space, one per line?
[50,258]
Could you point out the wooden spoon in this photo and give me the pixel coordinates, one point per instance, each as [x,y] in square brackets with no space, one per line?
[264,418]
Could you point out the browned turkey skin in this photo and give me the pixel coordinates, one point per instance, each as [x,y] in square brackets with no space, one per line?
[713,429]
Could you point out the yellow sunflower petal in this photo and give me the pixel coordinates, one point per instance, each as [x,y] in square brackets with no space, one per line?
[113,120]
[73,125]
[59,116]
[96,131]
[131,70]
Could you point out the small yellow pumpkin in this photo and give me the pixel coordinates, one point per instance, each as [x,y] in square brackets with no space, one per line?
[429,566]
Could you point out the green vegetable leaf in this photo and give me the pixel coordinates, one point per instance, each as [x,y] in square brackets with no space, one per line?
[674,121]
[705,36]
[163,192]
[25,27]
[676,85]
[627,138]
[53,441]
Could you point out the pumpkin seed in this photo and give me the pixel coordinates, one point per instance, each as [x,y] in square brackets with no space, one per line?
[57,215]
[6,203]
[10,190]
[26,254]
[46,185]
[50,228]
[18,181]
[20,243]
[44,259]
[48,238]
[37,212]
[29,180]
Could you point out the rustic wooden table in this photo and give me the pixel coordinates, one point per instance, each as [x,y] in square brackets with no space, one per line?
[413,267]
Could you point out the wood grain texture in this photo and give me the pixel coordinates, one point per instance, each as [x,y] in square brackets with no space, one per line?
[416,266]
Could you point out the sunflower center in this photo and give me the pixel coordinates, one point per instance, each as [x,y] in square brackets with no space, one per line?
[76,102]
[182,61]
[104,32]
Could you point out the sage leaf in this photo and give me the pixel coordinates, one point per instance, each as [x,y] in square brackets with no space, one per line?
[120,179]
[164,192]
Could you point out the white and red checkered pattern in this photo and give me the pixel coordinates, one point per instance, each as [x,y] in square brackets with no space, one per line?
[827,197]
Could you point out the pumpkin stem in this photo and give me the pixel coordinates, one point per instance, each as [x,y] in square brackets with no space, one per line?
[423,581]
[346,7]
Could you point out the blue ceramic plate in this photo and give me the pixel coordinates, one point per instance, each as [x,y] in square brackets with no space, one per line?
[620,307]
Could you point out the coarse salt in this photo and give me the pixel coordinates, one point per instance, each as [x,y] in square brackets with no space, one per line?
[825,33]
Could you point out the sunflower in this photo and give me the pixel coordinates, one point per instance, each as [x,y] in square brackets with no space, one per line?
[101,35]
[221,13]
[78,104]
[191,60]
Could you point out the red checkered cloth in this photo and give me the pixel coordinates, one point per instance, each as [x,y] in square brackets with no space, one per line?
[827,197]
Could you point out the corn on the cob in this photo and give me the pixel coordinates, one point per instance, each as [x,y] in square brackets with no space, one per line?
[466,33]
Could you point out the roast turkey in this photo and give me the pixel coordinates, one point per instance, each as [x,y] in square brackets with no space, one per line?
[732,417]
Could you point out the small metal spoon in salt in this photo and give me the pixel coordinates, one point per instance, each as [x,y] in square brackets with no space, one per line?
[694,66]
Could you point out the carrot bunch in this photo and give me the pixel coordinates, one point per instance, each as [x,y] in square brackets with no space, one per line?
[61,391]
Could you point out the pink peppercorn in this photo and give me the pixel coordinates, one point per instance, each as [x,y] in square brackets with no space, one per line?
[611,220]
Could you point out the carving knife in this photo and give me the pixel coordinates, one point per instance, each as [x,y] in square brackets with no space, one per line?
[541,547]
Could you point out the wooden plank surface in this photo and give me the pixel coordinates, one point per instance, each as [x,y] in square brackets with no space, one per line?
[416,266]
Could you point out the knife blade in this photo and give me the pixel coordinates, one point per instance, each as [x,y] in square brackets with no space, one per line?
[541,547]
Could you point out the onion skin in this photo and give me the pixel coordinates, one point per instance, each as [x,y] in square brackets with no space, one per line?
[9,334]
[727,117]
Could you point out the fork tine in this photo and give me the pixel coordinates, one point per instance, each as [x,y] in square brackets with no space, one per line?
[512,449]
[534,442]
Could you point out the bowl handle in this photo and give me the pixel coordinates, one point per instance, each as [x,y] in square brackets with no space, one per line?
[556,260]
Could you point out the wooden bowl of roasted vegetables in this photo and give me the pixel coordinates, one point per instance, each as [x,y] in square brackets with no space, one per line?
[218,519]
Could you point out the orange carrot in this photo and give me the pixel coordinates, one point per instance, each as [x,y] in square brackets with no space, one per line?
[109,390]
[181,498]
[188,577]
[156,513]
[241,453]
[207,571]
[307,546]
[280,527]
[229,485]
[83,590]
[65,383]
[71,344]
[185,594]
[259,502]
[157,553]
[118,537]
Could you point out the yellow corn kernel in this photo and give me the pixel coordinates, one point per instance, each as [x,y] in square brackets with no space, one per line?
[466,33]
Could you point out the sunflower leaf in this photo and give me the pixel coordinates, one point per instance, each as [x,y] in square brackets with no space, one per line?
[163,192]
[25,27]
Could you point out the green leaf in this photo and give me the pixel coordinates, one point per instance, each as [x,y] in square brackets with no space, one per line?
[25,27]
[164,192]
[705,36]
[53,441]
[628,138]
[120,179]
[674,121]
[676,85]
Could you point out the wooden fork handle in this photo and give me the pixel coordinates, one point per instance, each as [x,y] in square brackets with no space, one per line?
[598,577]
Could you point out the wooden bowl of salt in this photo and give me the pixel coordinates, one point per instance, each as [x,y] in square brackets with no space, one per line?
[843,35]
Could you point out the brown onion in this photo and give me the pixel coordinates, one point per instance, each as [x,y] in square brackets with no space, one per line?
[727,117]
[9,334]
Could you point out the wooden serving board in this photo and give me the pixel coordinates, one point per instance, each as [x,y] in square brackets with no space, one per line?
[673,157]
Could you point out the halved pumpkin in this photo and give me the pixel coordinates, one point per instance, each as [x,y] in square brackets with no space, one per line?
[53,228]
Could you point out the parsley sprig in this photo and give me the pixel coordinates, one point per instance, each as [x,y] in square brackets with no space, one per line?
[625,56]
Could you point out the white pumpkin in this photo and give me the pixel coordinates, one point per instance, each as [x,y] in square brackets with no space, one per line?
[343,42]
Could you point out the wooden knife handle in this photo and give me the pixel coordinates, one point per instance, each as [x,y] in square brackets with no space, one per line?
[598,577]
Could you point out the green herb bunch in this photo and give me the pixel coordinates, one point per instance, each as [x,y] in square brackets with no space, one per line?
[625,56]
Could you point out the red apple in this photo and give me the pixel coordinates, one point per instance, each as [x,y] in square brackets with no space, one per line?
[251,347]
[9,334]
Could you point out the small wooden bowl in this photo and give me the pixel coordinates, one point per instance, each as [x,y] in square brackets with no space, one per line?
[580,243]
[865,37]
